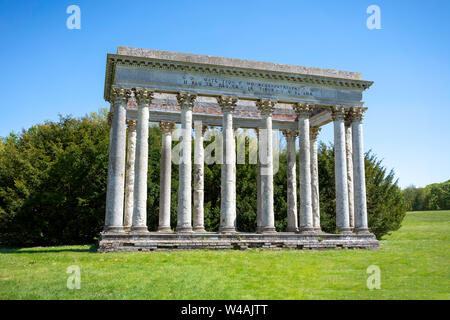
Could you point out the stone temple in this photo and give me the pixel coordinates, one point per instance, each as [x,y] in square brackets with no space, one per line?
[198,91]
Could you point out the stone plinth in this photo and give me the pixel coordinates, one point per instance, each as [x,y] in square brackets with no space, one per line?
[114,242]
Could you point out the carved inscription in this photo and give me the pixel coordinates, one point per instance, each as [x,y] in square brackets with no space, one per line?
[255,87]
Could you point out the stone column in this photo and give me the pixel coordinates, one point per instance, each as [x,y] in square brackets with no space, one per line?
[265,155]
[359,177]
[258,188]
[129,178]
[340,168]
[313,133]
[199,164]
[306,218]
[184,216]
[116,162]
[292,223]
[228,173]
[165,176]
[349,155]
[139,224]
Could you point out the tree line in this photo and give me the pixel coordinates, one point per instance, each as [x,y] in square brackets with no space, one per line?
[53,186]
[434,196]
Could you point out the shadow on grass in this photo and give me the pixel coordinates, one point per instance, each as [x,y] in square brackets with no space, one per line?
[91,249]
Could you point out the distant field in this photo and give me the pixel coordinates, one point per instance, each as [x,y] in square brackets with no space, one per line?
[414,263]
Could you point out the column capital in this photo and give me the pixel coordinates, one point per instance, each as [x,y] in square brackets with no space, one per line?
[356,113]
[120,94]
[303,108]
[266,106]
[143,96]
[314,132]
[290,134]
[227,103]
[131,124]
[338,112]
[167,126]
[186,99]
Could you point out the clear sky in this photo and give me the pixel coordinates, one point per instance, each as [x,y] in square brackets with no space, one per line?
[47,69]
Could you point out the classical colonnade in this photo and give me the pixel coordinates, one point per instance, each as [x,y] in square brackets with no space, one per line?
[126,205]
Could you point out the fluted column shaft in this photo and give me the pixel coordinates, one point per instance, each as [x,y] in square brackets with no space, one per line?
[340,168]
[228,169]
[292,218]
[165,176]
[306,218]
[199,154]
[349,156]
[314,131]
[129,178]
[265,155]
[139,223]
[361,224]
[116,163]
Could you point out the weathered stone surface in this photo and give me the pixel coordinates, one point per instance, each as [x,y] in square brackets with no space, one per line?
[306,219]
[229,62]
[184,221]
[349,155]
[115,242]
[116,164]
[198,218]
[292,220]
[314,131]
[228,168]
[232,93]
[358,172]
[165,176]
[265,155]
[340,168]
[139,221]
[129,180]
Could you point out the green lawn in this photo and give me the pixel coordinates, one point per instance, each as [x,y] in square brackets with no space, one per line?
[414,263]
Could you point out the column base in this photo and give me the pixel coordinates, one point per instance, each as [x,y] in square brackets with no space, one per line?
[362,231]
[268,230]
[139,230]
[345,230]
[184,229]
[164,229]
[199,229]
[317,230]
[306,230]
[292,229]
[114,229]
[227,230]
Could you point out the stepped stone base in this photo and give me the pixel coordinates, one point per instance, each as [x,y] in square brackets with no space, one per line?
[115,242]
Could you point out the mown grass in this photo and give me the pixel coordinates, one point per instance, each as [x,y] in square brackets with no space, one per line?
[414,263]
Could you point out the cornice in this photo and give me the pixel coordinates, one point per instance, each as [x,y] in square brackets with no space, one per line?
[114,59]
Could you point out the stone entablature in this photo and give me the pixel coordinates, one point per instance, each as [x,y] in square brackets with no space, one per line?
[243,79]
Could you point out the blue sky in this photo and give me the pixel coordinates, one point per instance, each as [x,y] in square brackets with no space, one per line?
[47,69]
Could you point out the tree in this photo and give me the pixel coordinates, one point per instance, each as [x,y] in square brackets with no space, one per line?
[435,196]
[385,204]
